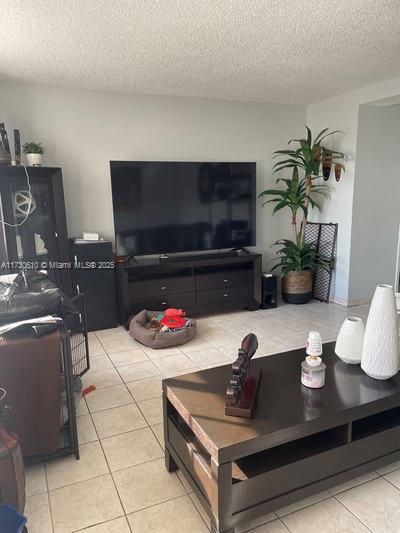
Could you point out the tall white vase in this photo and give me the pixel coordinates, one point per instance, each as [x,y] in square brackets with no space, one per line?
[349,343]
[380,355]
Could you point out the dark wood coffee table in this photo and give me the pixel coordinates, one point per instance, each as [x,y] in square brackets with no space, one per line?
[299,442]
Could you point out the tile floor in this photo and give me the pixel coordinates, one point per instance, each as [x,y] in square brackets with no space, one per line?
[120,484]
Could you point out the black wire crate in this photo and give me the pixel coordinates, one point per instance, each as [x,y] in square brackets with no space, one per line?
[77,325]
[74,364]
[324,237]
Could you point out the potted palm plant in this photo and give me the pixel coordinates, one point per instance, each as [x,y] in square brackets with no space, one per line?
[296,258]
[33,152]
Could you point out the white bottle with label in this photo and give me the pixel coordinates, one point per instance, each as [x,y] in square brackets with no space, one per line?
[313,369]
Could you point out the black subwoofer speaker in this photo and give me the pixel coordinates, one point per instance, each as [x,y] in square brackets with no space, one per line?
[269,291]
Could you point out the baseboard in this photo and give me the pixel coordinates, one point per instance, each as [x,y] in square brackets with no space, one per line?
[350,303]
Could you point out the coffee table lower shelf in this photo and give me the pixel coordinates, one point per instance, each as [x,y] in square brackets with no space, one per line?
[246,487]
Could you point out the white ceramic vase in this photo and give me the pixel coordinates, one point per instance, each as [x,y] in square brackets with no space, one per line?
[350,340]
[380,354]
[34,160]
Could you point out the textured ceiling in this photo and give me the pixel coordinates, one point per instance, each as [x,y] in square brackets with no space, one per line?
[292,51]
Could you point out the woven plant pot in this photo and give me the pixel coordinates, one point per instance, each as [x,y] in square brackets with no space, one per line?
[297,287]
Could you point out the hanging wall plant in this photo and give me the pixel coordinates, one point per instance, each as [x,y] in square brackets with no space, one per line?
[297,259]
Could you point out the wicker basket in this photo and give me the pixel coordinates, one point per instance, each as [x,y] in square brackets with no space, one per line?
[297,287]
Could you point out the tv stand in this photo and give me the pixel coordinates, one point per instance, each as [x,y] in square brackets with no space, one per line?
[199,284]
[202,256]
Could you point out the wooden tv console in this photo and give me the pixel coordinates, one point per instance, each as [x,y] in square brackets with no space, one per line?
[196,284]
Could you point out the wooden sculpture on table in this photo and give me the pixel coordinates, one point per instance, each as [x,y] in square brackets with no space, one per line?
[242,389]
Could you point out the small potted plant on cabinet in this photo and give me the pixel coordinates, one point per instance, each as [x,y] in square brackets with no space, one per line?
[33,152]
[298,259]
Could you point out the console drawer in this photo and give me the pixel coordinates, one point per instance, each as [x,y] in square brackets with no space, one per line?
[159,287]
[183,300]
[228,294]
[217,280]
[190,452]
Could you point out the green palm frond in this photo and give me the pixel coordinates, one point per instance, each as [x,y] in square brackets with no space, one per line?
[295,257]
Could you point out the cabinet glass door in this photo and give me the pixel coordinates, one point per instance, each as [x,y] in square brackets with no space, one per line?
[31,211]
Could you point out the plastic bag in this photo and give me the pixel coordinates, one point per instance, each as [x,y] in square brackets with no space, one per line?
[32,294]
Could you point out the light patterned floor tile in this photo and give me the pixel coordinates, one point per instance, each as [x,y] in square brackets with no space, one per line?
[86,429]
[128,357]
[174,516]
[102,362]
[118,420]
[294,340]
[272,527]
[200,509]
[96,350]
[394,478]
[92,337]
[67,470]
[102,378]
[82,408]
[119,525]
[102,399]
[152,410]
[145,389]
[147,484]
[175,363]
[130,449]
[145,369]
[376,504]
[37,511]
[328,516]
[112,333]
[35,479]
[196,344]
[84,504]
[184,482]
[389,468]
[158,430]
[207,356]
[162,352]
[119,345]
[270,346]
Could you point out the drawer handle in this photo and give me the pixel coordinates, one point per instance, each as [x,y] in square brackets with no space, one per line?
[225,281]
[163,288]
[226,294]
[163,303]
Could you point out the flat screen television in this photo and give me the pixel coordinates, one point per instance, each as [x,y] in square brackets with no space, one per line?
[171,207]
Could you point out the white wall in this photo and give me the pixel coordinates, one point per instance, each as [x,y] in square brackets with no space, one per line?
[341,112]
[83,130]
[376,204]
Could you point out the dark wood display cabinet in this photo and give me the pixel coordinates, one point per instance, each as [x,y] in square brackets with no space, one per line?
[198,285]
[38,240]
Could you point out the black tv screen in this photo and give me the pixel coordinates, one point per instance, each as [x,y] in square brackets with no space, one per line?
[170,207]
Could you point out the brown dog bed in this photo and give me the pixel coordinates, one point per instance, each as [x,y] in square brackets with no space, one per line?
[158,339]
